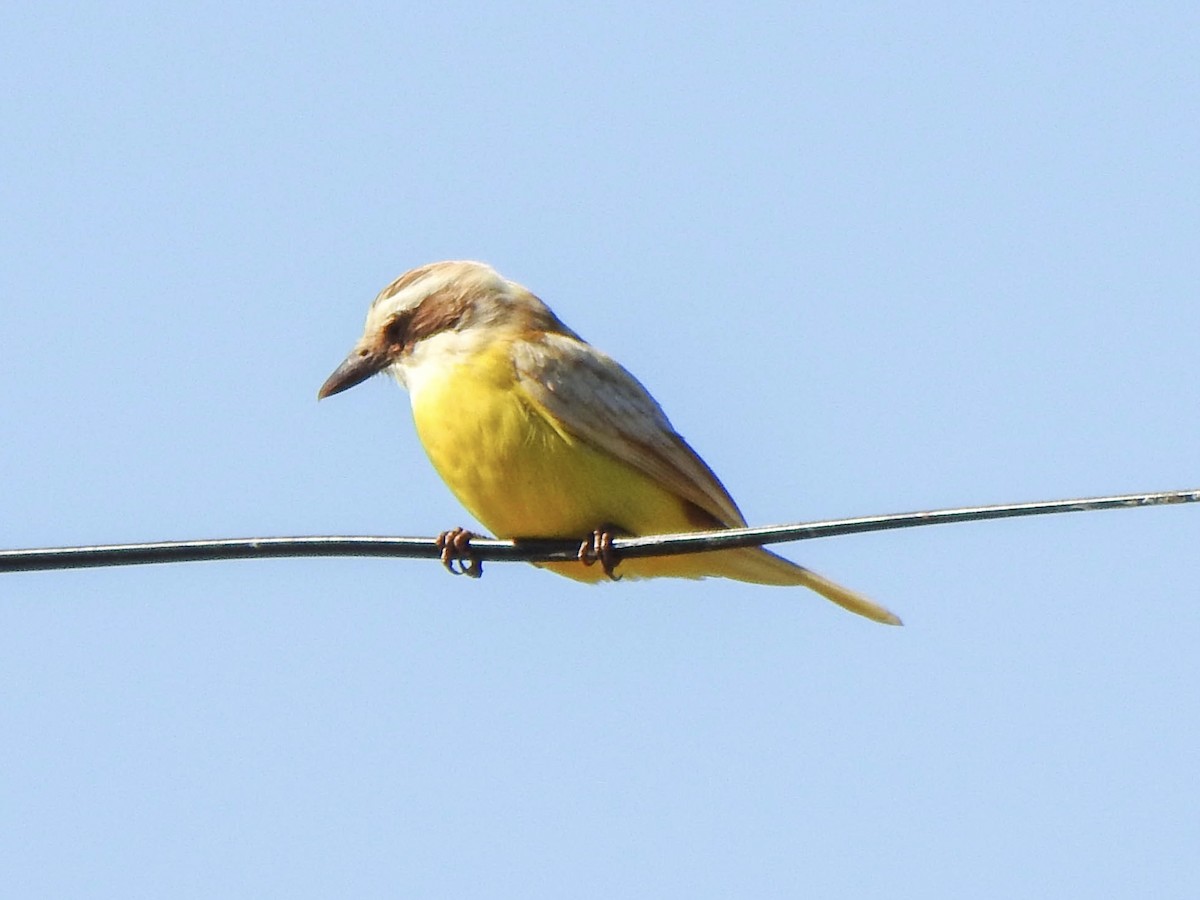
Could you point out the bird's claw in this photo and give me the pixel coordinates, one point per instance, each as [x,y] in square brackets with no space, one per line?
[598,548]
[457,555]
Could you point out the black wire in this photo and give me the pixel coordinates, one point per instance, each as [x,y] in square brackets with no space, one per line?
[486,549]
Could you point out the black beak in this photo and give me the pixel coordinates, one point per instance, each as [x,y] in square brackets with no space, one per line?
[360,365]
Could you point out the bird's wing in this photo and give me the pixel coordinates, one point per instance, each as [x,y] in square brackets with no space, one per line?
[590,396]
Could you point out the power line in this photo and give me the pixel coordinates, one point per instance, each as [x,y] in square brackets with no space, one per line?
[546,550]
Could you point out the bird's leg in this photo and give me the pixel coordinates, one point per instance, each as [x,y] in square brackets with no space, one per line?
[457,555]
[597,547]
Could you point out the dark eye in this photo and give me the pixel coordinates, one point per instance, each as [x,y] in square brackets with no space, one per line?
[395,332]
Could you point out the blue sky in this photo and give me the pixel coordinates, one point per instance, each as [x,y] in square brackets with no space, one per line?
[869,258]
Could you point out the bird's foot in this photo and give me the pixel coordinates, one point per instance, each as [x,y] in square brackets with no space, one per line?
[598,548]
[457,555]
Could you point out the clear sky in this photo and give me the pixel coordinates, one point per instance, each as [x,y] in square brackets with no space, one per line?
[870,258]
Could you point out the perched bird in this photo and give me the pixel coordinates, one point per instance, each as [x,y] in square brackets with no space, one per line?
[539,434]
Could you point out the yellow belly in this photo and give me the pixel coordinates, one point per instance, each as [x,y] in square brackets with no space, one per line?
[522,477]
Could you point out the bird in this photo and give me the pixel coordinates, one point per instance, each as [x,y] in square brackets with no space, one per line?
[541,435]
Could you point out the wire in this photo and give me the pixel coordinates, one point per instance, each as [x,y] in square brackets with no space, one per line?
[546,550]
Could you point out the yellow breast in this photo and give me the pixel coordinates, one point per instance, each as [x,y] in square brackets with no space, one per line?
[521,474]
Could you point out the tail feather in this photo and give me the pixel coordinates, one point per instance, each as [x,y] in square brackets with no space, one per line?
[761,566]
[848,599]
[751,564]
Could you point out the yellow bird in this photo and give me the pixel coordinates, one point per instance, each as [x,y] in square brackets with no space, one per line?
[539,434]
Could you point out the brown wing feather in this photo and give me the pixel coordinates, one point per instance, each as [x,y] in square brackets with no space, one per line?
[596,400]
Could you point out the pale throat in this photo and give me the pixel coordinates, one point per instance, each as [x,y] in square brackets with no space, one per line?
[437,356]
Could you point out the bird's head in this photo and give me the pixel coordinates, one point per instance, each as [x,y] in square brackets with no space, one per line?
[468,300]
